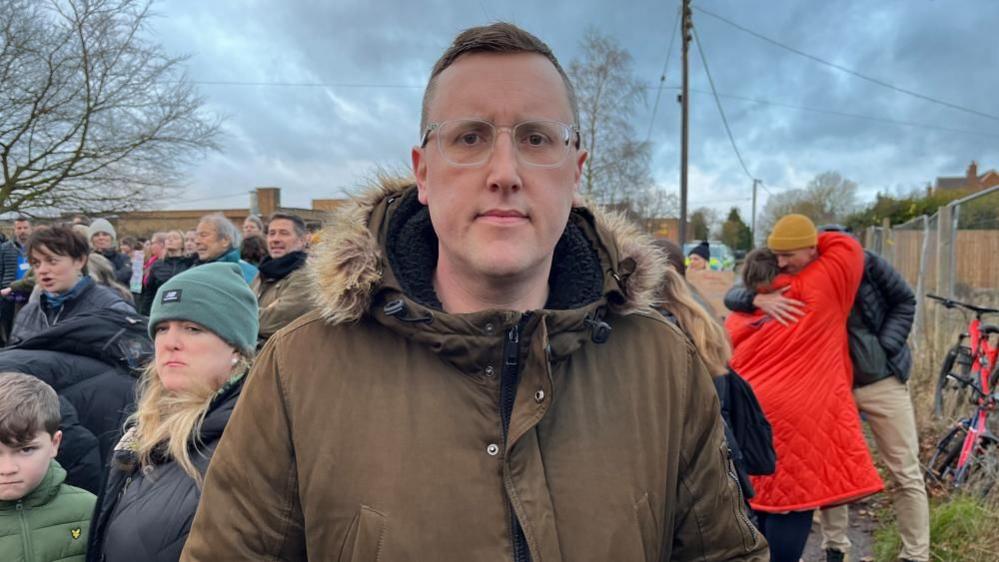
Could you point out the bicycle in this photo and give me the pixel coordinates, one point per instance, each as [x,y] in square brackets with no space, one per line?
[969,375]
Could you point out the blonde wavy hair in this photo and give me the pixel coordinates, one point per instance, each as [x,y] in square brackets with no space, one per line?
[170,422]
[709,337]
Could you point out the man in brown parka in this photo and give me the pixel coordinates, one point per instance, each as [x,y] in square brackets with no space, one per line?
[484,378]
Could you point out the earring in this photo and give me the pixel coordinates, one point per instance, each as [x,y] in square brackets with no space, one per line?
[235,360]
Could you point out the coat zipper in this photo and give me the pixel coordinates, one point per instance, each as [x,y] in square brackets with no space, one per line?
[508,394]
[29,551]
[741,508]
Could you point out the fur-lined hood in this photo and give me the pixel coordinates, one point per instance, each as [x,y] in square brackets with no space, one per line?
[349,264]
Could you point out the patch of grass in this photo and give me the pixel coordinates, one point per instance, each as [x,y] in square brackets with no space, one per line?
[962,529]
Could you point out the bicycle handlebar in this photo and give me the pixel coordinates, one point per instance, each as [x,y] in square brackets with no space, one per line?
[951,303]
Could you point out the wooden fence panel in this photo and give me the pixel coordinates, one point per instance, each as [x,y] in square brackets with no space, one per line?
[977,259]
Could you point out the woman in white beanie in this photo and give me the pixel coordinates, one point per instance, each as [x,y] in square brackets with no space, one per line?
[104,241]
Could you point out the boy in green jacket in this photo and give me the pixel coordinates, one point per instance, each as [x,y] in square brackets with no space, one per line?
[41,519]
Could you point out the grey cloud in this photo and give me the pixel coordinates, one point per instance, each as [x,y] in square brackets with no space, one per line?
[314,143]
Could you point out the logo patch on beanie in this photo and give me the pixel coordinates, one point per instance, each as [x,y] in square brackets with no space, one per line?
[172,295]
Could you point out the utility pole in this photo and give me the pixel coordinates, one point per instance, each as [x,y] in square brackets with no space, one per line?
[685,112]
[756,184]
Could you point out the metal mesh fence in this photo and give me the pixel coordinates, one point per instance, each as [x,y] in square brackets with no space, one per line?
[953,253]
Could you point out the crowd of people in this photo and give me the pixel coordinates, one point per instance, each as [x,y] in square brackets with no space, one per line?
[471,364]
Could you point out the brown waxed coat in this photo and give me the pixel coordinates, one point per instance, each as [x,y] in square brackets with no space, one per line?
[364,435]
[282,301]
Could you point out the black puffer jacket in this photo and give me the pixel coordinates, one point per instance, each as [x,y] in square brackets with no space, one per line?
[885,300]
[161,272]
[122,265]
[37,316]
[79,453]
[91,360]
[146,514]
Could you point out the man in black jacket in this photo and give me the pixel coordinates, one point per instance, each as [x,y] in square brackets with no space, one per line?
[13,266]
[878,328]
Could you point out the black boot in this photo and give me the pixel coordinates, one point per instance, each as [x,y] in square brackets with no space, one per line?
[833,555]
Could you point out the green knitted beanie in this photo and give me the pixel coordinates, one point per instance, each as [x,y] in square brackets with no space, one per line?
[213,295]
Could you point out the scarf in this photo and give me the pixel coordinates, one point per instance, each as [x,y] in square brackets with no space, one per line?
[54,301]
[146,268]
[276,269]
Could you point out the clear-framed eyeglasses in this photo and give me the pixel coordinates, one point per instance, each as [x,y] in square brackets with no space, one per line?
[469,142]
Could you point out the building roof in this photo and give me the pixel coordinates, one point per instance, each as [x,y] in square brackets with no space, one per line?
[951,182]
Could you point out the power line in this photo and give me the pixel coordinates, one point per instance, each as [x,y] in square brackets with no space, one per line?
[662,77]
[659,88]
[860,116]
[852,115]
[850,71]
[721,111]
[302,84]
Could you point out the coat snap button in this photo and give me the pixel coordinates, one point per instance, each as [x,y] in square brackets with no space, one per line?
[492,449]
[539,396]
[490,371]
[489,328]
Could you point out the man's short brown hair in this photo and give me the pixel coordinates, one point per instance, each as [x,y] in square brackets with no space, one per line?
[760,268]
[27,406]
[298,222]
[501,38]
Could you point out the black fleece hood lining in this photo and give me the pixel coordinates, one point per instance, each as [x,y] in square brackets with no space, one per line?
[576,277]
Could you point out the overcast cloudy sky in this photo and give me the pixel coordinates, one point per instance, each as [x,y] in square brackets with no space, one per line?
[329,90]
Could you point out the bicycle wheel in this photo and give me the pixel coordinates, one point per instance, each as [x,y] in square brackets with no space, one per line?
[983,471]
[944,461]
[952,398]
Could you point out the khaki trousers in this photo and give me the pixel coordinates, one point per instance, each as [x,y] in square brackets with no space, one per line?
[887,408]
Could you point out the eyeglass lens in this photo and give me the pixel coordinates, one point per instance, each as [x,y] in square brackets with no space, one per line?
[470,142]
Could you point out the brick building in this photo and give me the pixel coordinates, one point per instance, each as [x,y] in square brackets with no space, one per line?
[971,181]
[267,200]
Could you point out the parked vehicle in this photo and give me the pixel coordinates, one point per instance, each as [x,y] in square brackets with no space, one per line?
[722,258]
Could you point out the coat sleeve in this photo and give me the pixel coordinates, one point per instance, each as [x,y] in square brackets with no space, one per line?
[710,522]
[249,508]
[740,298]
[293,301]
[899,300]
[838,269]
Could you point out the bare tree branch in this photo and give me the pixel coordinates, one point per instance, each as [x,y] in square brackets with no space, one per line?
[93,116]
[618,170]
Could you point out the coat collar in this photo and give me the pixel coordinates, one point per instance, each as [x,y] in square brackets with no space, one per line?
[44,492]
[378,252]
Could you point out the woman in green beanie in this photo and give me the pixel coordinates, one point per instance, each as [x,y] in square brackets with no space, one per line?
[204,325]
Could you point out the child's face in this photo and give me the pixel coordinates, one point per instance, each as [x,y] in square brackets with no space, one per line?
[23,468]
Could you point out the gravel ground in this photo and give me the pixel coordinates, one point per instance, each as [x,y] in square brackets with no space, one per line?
[862,525]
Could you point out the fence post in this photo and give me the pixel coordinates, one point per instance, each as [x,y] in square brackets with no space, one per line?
[945,252]
[945,274]
[917,327]
[887,241]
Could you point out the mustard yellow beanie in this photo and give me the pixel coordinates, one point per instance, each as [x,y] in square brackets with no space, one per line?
[793,232]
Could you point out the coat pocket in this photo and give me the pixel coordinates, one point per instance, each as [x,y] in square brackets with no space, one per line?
[647,527]
[365,537]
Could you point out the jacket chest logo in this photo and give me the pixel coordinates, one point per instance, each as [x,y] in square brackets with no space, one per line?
[75,533]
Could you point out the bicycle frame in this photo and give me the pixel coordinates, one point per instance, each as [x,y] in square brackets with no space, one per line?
[983,355]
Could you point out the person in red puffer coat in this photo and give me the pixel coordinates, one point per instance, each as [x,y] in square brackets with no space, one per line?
[802,374]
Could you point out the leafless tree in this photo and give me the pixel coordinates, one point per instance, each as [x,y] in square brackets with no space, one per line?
[93,115]
[828,198]
[618,172]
